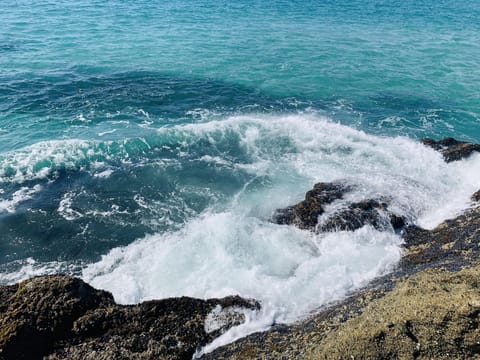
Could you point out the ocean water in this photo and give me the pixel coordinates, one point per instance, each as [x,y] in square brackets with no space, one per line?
[145,145]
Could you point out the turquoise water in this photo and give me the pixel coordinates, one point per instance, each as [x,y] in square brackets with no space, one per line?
[145,145]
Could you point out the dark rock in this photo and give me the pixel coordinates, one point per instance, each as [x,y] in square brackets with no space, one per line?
[305,214]
[451,149]
[453,244]
[397,222]
[476,196]
[415,235]
[63,317]
[41,311]
[359,214]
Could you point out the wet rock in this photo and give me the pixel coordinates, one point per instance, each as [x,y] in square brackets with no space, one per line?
[415,235]
[451,149]
[62,317]
[353,216]
[305,214]
[356,215]
[40,311]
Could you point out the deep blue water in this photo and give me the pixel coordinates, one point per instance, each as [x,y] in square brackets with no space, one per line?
[121,120]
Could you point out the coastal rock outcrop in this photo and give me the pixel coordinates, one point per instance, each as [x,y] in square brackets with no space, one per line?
[310,214]
[305,214]
[352,216]
[428,308]
[62,317]
[451,149]
[367,212]
[476,196]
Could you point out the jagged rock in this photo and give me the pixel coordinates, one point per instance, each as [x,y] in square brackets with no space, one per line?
[451,149]
[306,213]
[359,214]
[62,317]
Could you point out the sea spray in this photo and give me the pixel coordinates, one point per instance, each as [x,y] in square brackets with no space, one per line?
[234,249]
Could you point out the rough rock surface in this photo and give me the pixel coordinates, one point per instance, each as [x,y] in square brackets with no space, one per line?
[306,213]
[429,308]
[62,317]
[358,214]
[451,149]
[453,244]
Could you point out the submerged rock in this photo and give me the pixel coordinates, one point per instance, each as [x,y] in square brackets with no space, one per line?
[353,216]
[451,149]
[62,317]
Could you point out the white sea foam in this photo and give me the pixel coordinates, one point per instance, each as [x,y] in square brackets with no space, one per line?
[65,207]
[292,272]
[107,132]
[298,150]
[29,267]
[19,196]
[105,173]
[225,253]
[39,160]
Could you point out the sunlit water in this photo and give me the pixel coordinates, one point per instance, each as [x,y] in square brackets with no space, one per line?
[145,145]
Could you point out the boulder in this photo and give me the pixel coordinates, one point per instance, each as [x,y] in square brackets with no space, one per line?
[476,196]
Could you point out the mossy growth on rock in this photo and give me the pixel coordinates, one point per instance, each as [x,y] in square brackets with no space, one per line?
[433,314]
[62,317]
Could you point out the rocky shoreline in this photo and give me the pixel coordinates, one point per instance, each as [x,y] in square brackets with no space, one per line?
[62,317]
[428,307]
